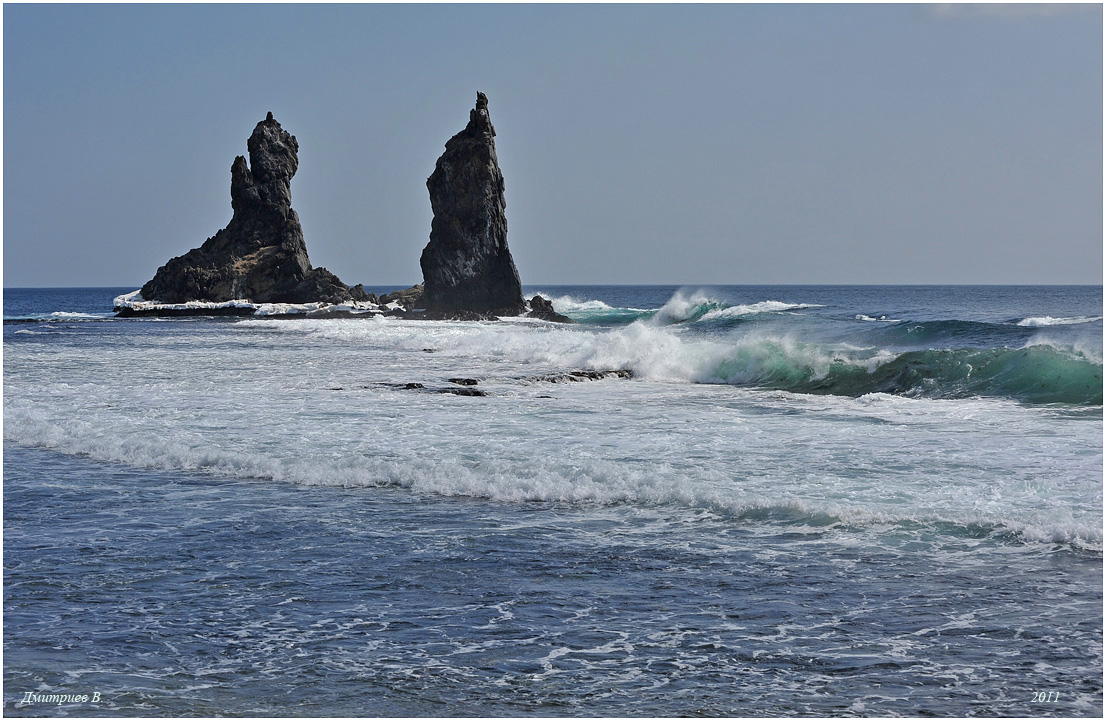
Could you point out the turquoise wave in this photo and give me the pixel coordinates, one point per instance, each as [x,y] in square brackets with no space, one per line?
[1037,374]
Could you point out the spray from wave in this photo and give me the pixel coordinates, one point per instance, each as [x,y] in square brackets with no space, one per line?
[1051,321]
[698,306]
[594,312]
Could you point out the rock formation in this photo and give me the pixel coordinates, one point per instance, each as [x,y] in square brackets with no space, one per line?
[260,256]
[542,308]
[409,298]
[467,267]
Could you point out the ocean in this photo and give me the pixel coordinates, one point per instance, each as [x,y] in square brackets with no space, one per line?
[716,501]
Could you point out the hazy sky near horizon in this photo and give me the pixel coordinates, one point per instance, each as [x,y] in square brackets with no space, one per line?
[675,144]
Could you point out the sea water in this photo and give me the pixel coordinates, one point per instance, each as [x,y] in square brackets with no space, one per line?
[802,501]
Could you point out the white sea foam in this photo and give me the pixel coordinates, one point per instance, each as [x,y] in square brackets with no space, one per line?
[1051,321]
[591,309]
[755,308]
[74,315]
[738,469]
[315,402]
[863,317]
[1087,348]
[682,306]
[651,352]
[568,304]
[135,302]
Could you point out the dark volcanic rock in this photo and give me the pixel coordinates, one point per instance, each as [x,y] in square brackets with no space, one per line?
[542,308]
[358,294]
[464,392]
[572,376]
[467,266]
[260,256]
[409,298]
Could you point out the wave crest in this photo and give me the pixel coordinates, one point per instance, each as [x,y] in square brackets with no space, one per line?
[698,306]
[1051,321]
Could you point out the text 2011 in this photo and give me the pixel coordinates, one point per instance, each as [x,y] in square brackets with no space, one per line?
[1046,697]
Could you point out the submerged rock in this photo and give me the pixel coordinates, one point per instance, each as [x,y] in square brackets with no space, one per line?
[467,267]
[261,255]
[464,392]
[574,376]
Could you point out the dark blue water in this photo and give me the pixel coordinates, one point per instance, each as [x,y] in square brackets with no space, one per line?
[809,501]
[172,594]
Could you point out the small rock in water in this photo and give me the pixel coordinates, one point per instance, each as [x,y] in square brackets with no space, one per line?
[463,382]
[542,308]
[465,392]
[583,376]
[408,299]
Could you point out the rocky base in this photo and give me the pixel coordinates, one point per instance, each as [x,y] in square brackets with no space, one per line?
[400,304]
[132,305]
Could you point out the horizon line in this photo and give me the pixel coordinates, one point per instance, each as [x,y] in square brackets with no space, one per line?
[658,285]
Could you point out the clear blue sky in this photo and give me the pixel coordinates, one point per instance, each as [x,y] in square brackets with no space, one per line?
[639,144]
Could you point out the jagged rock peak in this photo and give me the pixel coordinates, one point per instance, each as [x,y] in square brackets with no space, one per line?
[261,255]
[467,266]
[479,121]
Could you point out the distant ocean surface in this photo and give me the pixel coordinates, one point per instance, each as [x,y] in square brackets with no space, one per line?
[828,501]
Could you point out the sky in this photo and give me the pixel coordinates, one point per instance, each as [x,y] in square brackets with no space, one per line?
[640,144]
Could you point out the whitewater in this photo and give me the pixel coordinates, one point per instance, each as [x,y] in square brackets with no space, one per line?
[745,501]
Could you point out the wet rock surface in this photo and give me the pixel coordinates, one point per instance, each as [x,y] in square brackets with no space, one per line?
[464,392]
[573,376]
[542,308]
[409,299]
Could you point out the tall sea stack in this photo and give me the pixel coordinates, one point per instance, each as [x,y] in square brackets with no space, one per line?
[261,255]
[467,266]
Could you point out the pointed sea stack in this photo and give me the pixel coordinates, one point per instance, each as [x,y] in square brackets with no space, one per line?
[467,267]
[260,256]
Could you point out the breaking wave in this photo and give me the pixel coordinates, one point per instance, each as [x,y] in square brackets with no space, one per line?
[58,316]
[1051,321]
[596,312]
[1037,371]
[1033,374]
[1037,374]
[697,306]
[527,477]
[682,308]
